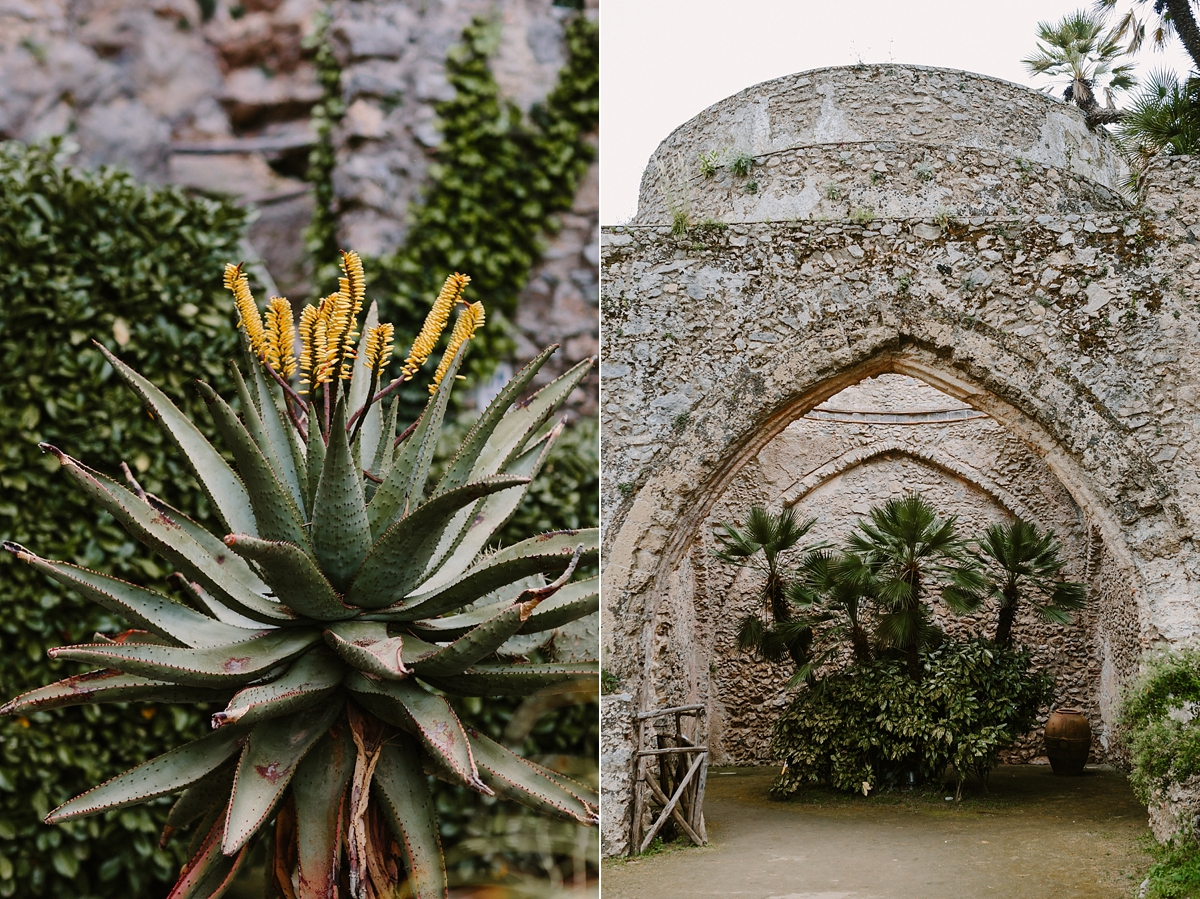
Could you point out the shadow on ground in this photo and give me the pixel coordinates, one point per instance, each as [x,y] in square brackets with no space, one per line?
[1032,836]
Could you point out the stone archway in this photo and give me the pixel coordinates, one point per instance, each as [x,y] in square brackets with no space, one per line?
[1059,310]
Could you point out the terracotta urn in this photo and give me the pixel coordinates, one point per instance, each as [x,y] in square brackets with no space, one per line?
[1068,740]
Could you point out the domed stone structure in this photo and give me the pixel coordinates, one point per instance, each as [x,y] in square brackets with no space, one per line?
[849,282]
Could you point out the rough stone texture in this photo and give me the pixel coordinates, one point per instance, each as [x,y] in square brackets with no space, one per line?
[1173,813]
[616,761]
[1072,325]
[225,106]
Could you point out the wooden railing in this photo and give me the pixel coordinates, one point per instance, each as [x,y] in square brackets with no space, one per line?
[670,777]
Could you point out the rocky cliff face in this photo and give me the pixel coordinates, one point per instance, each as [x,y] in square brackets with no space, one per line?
[225,103]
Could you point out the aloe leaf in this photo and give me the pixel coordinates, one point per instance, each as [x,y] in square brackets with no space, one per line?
[211,543]
[141,607]
[167,538]
[511,680]
[485,639]
[204,798]
[397,561]
[574,601]
[521,422]
[473,528]
[280,431]
[168,773]
[403,790]
[428,716]
[320,787]
[360,377]
[315,455]
[217,666]
[199,598]
[293,577]
[356,396]
[404,486]
[223,487]
[366,646]
[545,554]
[106,685]
[381,464]
[210,872]
[271,442]
[275,510]
[209,793]
[460,467]
[341,536]
[529,783]
[311,678]
[272,753]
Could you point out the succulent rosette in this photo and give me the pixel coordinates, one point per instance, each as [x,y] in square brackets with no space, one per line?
[346,596]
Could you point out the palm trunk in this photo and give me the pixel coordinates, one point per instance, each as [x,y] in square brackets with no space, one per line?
[1186,27]
[1008,614]
[781,610]
[860,642]
[1081,93]
[912,652]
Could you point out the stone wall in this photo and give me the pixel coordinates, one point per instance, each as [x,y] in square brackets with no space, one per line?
[225,104]
[1036,295]
[872,442]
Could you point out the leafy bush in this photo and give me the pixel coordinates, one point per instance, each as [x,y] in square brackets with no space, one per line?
[88,255]
[1156,722]
[873,724]
[1175,873]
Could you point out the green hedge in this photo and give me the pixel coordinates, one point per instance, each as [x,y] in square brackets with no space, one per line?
[91,255]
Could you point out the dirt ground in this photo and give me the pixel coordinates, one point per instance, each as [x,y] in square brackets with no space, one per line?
[1034,836]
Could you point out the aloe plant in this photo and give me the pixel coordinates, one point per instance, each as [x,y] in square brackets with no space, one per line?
[344,599]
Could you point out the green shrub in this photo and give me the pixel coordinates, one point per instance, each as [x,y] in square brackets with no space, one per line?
[1175,873]
[1163,747]
[871,723]
[92,255]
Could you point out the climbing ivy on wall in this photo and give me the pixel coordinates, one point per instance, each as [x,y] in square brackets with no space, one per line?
[320,238]
[498,180]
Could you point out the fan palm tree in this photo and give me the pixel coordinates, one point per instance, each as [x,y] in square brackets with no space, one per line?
[1173,17]
[836,588]
[1078,47]
[908,551]
[758,545]
[1164,118]
[1022,562]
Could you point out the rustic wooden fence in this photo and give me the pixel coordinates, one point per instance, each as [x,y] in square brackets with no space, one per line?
[669,777]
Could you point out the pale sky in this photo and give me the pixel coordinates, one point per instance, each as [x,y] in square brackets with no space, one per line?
[663,61]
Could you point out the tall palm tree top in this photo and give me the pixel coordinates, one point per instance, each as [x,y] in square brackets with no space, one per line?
[906,531]
[1080,47]
[771,533]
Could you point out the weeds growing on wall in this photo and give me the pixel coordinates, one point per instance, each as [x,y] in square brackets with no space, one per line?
[83,256]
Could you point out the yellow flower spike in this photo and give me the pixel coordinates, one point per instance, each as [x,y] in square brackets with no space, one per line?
[248,317]
[325,344]
[469,321]
[378,351]
[309,316]
[435,323]
[281,337]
